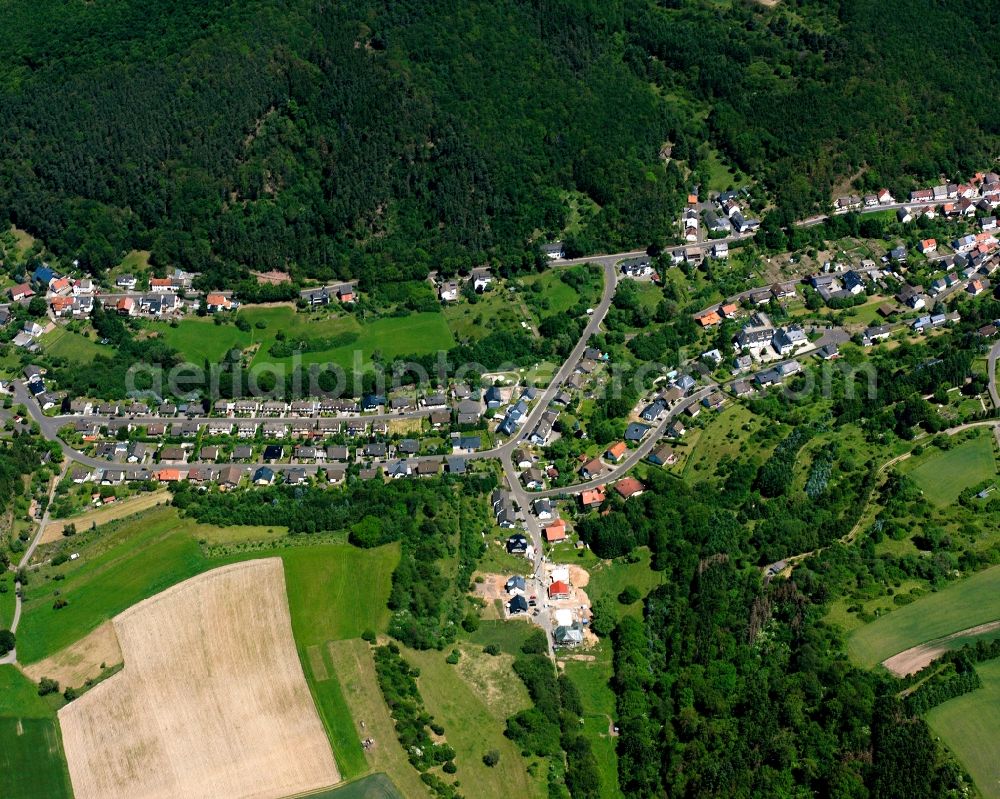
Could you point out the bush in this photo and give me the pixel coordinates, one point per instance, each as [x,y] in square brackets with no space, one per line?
[70,694]
[369,636]
[47,686]
[7,641]
[470,623]
[449,767]
[537,643]
[629,595]
[453,657]
[492,649]
[491,758]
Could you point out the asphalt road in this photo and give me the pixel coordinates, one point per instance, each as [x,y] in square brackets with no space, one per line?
[991,368]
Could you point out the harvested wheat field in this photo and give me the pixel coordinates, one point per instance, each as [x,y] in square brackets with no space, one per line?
[80,661]
[211,702]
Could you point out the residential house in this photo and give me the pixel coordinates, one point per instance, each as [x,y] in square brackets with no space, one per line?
[592,469]
[927,246]
[215,302]
[787,339]
[517,604]
[559,590]
[653,411]
[263,476]
[533,479]
[593,497]
[448,292]
[636,432]
[555,532]
[543,508]
[663,455]
[616,451]
[22,291]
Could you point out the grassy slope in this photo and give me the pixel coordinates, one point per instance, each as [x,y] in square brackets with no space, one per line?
[201,339]
[975,600]
[970,726]
[31,760]
[62,343]
[944,475]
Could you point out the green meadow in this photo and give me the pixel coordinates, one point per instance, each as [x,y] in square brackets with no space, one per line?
[970,726]
[31,759]
[968,603]
[201,339]
[943,475]
[74,347]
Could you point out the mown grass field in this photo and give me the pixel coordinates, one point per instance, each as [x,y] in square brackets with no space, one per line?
[374,786]
[972,601]
[62,343]
[200,339]
[31,760]
[943,475]
[970,726]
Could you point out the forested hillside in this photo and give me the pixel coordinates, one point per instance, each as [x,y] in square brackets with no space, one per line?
[384,139]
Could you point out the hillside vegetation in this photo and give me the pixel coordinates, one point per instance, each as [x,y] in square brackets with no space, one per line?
[382,140]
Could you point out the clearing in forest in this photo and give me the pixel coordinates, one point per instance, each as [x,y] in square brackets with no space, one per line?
[211,702]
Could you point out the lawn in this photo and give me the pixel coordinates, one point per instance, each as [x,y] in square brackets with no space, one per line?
[943,475]
[972,601]
[474,715]
[970,726]
[724,437]
[592,679]
[62,343]
[31,759]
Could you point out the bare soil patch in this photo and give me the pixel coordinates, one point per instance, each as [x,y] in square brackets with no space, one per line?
[917,657]
[212,700]
[107,513]
[80,661]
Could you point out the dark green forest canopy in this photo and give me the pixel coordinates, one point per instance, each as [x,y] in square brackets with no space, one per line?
[384,139]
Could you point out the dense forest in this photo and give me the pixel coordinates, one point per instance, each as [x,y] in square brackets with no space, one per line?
[384,139]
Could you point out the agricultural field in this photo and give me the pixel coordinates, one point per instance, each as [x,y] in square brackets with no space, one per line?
[954,609]
[258,735]
[970,726]
[943,475]
[31,759]
[352,663]
[140,556]
[376,786]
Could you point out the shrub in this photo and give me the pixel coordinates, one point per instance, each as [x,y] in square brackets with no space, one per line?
[491,758]
[537,643]
[492,649]
[629,595]
[7,641]
[449,767]
[470,623]
[369,636]
[453,657]
[47,686]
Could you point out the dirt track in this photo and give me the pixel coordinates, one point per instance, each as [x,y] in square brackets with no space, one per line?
[212,701]
[915,658]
